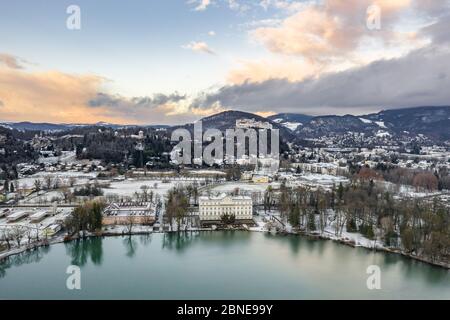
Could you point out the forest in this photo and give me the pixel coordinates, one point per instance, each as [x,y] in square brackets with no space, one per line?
[418,227]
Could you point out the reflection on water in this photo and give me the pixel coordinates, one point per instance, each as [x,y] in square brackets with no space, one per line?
[178,241]
[31,256]
[130,243]
[316,246]
[81,249]
[182,241]
[145,239]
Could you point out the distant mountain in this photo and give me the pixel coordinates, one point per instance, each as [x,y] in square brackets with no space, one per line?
[433,122]
[291,120]
[325,125]
[31,126]
[52,127]
[430,121]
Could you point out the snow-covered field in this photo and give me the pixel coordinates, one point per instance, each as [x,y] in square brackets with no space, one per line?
[128,188]
[318,180]
[243,186]
[81,178]
[44,198]
[66,157]
[408,191]
[205,172]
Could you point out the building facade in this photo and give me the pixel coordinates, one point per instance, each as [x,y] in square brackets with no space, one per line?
[122,213]
[213,208]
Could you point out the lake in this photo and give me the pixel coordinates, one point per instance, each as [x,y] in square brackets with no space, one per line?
[216,265]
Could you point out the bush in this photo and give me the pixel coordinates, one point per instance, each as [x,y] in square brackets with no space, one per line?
[367,231]
[89,191]
[351,225]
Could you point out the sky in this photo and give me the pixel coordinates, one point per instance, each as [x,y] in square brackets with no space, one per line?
[175,61]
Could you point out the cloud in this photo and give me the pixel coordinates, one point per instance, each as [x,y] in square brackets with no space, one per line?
[438,32]
[329,36]
[212,33]
[421,78]
[286,5]
[60,97]
[117,101]
[273,68]
[238,6]
[47,96]
[252,24]
[201,5]
[11,61]
[328,30]
[159,108]
[199,47]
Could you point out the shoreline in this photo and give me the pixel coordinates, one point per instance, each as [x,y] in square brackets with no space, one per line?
[377,249]
[62,239]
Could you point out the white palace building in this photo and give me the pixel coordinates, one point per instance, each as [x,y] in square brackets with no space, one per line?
[213,208]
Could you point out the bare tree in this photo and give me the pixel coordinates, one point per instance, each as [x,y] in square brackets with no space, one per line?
[6,237]
[17,234]
[37,185]
[48,181]
[129,224]
[144,189]
[72,181]
[67,194]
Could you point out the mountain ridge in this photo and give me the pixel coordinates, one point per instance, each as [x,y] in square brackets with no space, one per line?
[432,121]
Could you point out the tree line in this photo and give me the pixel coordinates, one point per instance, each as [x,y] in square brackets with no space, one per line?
[418,227]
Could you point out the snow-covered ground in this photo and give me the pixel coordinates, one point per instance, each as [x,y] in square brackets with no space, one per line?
[45,197]
[292,125]
[263,225]
[243,186]
[318,180]
[128,188]
[406,191]
[61,214]
[381,124]
[365,120]
[383,134]
[205,172]
[80,177]
[66,157]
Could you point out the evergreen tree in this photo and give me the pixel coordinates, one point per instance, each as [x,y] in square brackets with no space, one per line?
[351,225]
[340,192]
[311,222]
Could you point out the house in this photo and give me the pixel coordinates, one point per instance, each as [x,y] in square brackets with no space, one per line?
[123,213]
[17,216]
[51,229]
[256,178]
[39,216]
[252,123]
[213,208]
